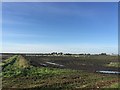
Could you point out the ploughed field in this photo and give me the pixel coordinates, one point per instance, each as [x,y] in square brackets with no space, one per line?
[90,63]
[58,72]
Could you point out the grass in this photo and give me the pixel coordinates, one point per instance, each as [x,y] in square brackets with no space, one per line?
[8,61]
[21,62]
[113,64]
[19,73]
[23,68]
[115,85]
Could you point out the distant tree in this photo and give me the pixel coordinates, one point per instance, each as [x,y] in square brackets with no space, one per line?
[68,54]
[103,54]
[60,53]
[88,54]
[81,54]
[54,53]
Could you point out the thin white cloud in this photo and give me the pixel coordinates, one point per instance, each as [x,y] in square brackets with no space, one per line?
[23,35]
[47,8]
[66,48]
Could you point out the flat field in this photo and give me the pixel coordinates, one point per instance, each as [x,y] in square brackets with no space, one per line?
[66,72]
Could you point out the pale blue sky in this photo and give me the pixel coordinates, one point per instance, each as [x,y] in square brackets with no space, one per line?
[62,27]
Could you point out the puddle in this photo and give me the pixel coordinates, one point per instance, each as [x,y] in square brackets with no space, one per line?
[45,65]
[108,72]
[54,64]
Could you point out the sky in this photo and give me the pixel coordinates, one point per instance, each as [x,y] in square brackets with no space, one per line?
[60,27]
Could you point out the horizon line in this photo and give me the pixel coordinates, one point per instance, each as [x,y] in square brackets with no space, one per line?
[60,52]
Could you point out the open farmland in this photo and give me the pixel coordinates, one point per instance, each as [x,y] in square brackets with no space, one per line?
[58,72]
[90,63]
